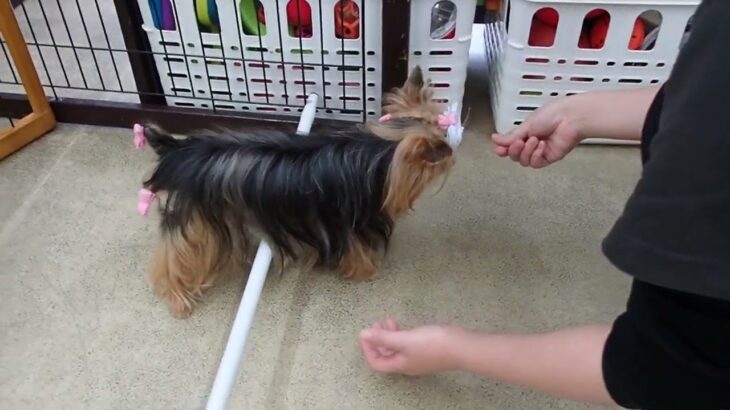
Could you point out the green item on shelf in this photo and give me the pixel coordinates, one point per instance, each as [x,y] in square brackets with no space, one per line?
[250,18]
[206,16]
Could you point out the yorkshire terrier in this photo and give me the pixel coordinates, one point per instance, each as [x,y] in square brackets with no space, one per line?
[326,200]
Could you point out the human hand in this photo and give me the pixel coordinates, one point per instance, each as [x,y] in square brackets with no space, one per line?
[418,351]
[545,137]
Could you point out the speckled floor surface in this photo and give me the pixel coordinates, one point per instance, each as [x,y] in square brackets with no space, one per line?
[499,247]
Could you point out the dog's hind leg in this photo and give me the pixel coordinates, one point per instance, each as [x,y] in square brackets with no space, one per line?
[358,263]
[185,265]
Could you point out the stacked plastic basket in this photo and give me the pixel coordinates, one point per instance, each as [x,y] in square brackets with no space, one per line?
[543,49]
[266,56]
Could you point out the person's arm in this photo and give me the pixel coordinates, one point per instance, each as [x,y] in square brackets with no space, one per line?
[611,114]
[552,131]
[565,363]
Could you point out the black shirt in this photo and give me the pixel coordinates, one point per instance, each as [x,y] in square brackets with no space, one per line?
[675,229]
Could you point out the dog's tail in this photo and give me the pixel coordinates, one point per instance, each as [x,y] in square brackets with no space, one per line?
[160,141]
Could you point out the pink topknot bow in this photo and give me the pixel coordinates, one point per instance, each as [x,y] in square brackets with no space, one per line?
[145,197]
[386,117]
[139,138]
[447,120]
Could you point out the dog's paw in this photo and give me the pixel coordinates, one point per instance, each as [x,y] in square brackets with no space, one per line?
[180,307]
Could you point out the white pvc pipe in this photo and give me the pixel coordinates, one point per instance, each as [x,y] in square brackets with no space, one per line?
[307,118]
[233,354]
[235,347]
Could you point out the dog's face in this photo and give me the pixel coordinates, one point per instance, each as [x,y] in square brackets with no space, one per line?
[417,162]
[423,154]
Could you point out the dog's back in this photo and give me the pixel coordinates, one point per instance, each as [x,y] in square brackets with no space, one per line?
[317,190]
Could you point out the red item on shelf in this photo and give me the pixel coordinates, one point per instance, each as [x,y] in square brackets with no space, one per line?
[299,13]
[260,14]
[303,31]
[596,13]
[451,34]
[638,35]
[347,19]
[541,34]
[600,31]
[548,15]
[584,41]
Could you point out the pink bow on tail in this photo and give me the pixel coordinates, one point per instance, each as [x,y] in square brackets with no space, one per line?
[447,120]
[145,197]
[139,138]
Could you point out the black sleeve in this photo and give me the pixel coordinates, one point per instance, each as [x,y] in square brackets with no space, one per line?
[669,350]
[675,228]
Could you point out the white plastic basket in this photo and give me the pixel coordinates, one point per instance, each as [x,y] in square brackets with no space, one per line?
[268,74]
[444,61]
[272,75]
[524,77]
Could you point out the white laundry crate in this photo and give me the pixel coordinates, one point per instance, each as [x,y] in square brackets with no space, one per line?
[273,73]
[443,61]
[525,76]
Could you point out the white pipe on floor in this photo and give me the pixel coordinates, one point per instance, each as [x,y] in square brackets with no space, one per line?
[233,355]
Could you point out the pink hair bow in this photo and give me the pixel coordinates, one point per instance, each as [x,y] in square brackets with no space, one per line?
[447,120]
[386,117]
[139,139]
[145,197]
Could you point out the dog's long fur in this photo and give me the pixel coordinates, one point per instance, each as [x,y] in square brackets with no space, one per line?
[329,199]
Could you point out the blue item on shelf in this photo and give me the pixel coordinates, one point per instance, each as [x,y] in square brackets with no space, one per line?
[156,11]
[213,11]
[163,17]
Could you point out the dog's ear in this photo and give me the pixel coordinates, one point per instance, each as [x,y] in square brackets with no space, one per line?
[415,78]
[436,150]
[412,99]
[429,150]
[414,84]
